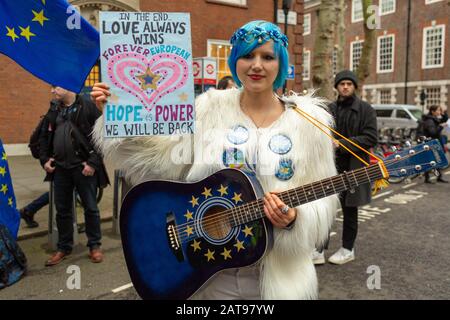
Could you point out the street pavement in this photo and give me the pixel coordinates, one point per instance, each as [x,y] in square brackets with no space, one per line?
[401,251]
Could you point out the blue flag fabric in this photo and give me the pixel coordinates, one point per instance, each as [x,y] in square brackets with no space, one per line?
[49,39]
[9,216]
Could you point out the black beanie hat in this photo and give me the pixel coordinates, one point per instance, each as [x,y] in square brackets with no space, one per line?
[346,75]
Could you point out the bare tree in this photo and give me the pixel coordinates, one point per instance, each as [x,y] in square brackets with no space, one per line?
[323,50]
[340,33]
[370,24]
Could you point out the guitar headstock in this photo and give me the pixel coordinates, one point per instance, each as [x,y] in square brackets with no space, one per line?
[423,157]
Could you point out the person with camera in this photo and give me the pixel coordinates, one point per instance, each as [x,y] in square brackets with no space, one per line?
[68,155]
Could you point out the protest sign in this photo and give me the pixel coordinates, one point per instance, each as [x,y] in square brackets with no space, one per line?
[146,59]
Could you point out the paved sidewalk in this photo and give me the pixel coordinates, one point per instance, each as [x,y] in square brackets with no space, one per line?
[27,177]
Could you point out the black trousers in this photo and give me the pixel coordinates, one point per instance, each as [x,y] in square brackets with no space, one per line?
[350,228]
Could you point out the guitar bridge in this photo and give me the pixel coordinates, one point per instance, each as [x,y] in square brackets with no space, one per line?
[172,237]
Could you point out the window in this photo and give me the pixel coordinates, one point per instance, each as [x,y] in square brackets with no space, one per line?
[387,7]
[381,113]
[385,55]
[357,11]
[433,47]
[355,54]
[402,114]
[433,96]
[235,2]
[307,24]
[306,65]
[384,96]
[93,77]
[220,49]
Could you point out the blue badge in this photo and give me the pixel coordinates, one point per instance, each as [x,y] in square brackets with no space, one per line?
[286,170]
[238,135]
[280,144]
[233,158]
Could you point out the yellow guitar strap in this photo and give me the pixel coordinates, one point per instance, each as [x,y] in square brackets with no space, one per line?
[379,184]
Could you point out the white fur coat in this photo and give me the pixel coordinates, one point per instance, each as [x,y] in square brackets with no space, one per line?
[287,271]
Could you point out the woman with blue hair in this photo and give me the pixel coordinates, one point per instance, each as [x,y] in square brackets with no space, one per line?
[257,131]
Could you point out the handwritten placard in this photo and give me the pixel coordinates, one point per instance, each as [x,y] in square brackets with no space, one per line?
[146,59]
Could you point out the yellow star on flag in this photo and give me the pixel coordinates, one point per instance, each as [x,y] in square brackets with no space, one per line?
[247,231]
[12,34]
[4,157]
[222,190]
[237,197]
[10,202]
[210,255]
[43,1]
[26,33]
[188,215]
[207,193]
[226,253]
[4,189]
[239,245]
[3,171]
[189,230]
[39,17]
[148,79]
[196,245]
[194,201]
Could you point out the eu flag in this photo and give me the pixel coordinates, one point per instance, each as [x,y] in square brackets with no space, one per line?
[49,39]
[9,216]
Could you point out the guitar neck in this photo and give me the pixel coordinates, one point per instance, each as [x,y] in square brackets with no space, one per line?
[314,191]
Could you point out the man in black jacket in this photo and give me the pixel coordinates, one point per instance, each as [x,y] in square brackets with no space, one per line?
[356,120]
[69,158]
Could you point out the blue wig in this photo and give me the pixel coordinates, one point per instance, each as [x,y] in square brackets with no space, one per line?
[253,35]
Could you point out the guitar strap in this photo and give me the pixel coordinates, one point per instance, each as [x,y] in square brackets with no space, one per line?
[379,184]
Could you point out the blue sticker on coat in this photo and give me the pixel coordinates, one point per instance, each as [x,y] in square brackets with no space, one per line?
[286,170]
[233,158]
[238,135]
[280,144]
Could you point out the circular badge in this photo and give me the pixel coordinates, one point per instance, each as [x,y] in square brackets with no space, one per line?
[238,135]
[286,170]
[280,144]
[233,158]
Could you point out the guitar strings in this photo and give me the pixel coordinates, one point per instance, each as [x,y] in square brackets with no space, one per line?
[240,210]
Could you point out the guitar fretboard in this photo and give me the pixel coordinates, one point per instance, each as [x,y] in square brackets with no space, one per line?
[314,191]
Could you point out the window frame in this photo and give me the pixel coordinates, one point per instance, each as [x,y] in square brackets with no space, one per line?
[424,47]
[355,20]
[379,53]
[308,52]
[381,13]
[351,53]
[209,43]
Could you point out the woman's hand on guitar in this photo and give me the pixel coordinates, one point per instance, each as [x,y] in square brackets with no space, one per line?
[274,207]
[99,94]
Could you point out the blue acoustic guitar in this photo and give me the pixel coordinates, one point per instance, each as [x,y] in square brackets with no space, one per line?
[177,235]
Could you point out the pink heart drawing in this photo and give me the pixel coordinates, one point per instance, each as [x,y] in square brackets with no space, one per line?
[172,70]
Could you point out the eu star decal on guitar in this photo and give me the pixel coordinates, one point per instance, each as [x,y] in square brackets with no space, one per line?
[176,235]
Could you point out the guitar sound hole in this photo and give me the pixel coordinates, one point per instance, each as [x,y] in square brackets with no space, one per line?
[215,223]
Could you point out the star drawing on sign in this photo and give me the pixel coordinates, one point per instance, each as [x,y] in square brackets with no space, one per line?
[149,80]
[183,97]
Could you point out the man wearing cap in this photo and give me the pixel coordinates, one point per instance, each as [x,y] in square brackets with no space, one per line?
[356,120]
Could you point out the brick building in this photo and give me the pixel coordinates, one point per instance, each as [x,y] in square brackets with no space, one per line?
[24,98]
[423,65]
